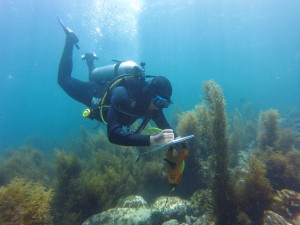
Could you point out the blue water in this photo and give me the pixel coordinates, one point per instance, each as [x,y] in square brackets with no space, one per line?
[250,47]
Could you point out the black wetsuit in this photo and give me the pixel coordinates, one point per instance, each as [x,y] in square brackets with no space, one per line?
[127,103]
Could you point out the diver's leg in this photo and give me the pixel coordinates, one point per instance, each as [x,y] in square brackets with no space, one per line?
[66,62]
[78,90]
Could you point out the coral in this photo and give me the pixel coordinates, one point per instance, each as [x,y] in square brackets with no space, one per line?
[268,132]
[24,202]
[255,192]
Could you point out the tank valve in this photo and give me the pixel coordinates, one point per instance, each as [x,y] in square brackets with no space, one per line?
[89,56]
[143,64]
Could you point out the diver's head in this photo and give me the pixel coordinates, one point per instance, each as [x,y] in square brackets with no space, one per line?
[159,92]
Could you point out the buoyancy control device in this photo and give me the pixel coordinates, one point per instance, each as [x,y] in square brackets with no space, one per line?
[108,77]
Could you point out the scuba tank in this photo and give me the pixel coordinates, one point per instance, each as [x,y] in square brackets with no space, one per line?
[109,77]
[108,73]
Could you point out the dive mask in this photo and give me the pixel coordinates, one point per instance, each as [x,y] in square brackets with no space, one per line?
[160,102]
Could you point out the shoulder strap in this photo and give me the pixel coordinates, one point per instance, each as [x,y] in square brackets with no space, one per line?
[142,125]
[114,83]
[116,68]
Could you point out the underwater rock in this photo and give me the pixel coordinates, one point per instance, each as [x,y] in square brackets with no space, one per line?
[133,201]
[201,202]
[132,216]
[171,222]
[205,219]
[271,218]
[172,207]
[287,204]
[285,208]
[133,210]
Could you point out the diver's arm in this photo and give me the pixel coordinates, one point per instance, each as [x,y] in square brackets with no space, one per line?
[163,137]
[117,135]
[160,120]
[115,122]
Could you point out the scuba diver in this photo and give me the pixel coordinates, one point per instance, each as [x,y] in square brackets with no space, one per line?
[118,102]
[118,95]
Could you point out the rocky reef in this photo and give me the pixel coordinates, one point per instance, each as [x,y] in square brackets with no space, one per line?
[242,169]
[172,210]
[285,208]
[134,210]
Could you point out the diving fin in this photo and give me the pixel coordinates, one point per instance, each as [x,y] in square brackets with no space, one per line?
[69,33]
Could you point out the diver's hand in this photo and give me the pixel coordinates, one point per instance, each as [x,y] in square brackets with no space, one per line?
[163,137]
